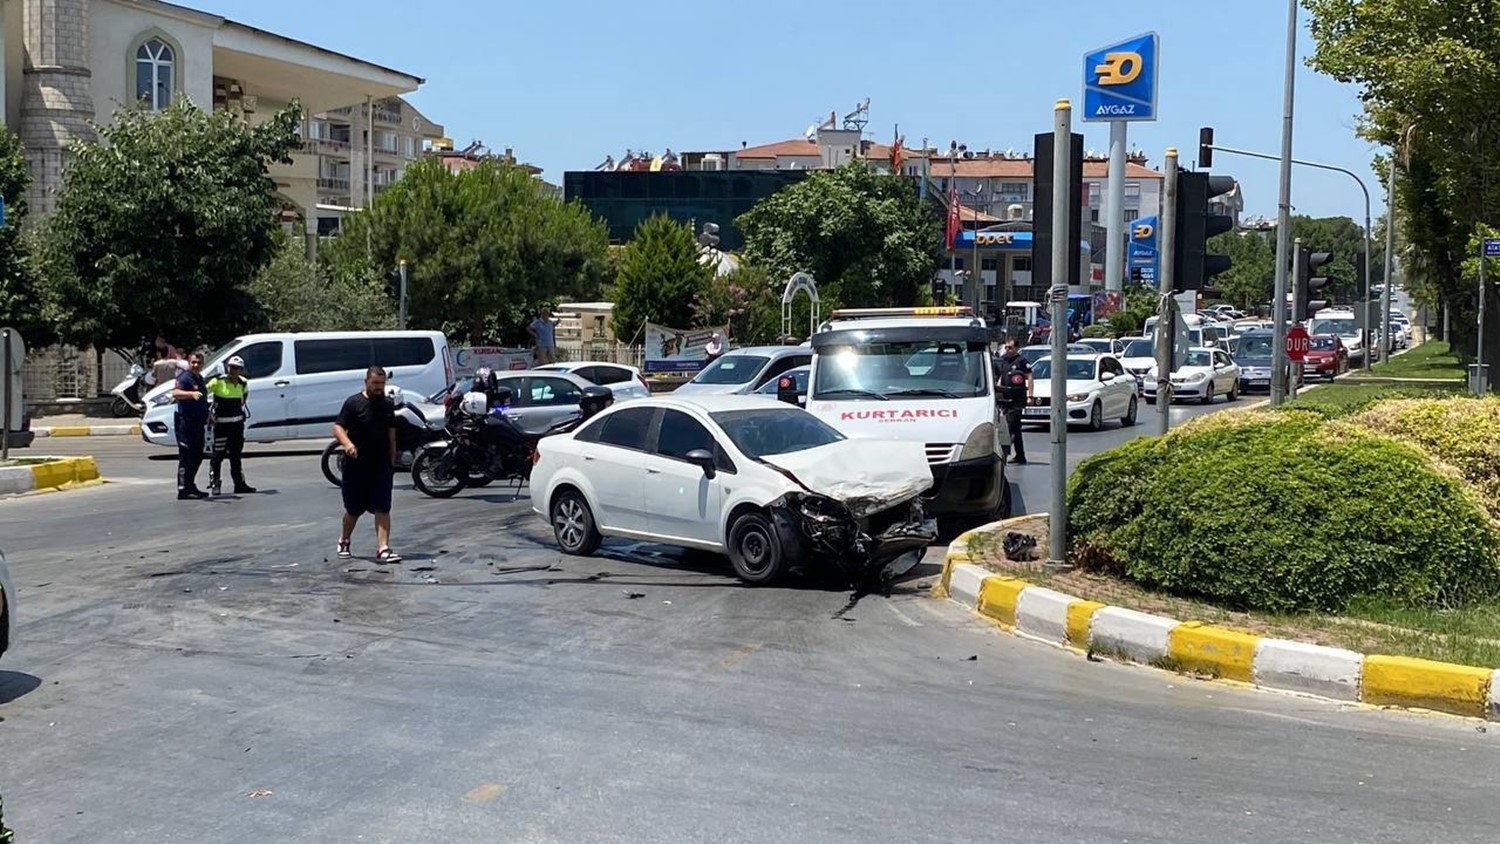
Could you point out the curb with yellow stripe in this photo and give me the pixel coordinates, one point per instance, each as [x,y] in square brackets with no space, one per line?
[1088,626]
[50,474]
[88,431]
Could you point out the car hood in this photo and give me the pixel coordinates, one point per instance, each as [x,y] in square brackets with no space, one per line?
[1137,363]
[692,388]
[1043,387]
[867,475]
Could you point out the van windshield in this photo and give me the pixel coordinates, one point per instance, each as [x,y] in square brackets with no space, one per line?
[888,370]
[731,369]
[1335,325]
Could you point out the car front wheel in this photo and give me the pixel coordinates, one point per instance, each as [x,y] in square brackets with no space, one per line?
[1096,417]
[754,549]
[1208,394]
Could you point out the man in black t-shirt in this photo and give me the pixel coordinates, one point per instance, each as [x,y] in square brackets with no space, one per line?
[366,429]
[1013,391]
[190,421]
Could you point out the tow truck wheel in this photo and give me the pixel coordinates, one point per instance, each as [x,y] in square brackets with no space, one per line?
[754,550]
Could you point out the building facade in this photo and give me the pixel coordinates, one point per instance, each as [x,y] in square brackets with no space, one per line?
[69,63]
[362,150]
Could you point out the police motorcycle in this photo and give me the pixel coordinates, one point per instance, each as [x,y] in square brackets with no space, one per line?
[413,430]
[485,444]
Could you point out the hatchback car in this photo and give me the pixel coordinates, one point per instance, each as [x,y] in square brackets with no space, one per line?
[539,399]
[1326,356]
[766,483]
[742,371]
[625,381]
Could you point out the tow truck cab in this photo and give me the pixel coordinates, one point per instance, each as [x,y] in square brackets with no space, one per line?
[923,375]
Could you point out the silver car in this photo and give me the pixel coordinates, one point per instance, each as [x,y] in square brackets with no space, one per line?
[626,382]
[7,607]
[746,370]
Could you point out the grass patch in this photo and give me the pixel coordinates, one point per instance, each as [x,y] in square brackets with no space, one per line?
[1433,359]
[1467,636]
[1343,398]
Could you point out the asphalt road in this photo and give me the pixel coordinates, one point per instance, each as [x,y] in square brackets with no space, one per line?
[207,672]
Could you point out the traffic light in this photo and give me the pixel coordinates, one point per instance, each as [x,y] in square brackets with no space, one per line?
[1196,224]
[1041,212]
[1308,284]
[939,291]
[1206,147]
[393,283]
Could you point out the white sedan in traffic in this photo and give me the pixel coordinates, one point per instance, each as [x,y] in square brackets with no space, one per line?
[1099,388]
[1204,374]
[625,381]
[763,481]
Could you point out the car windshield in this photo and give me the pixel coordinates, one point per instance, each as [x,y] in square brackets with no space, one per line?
[946,370]
[1035,353]
[775,430]
[1327,343]
[1096,343]
[1197,358]
[1139,348]
[1078,370]
[732,369]
[1342,326]
[219,353]
[1256,346]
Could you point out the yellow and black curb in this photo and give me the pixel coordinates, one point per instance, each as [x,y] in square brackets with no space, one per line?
[1192,646]
[48,473]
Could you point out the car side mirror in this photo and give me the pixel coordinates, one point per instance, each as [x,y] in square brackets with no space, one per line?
[704,459]
[786,389]
[1108,376]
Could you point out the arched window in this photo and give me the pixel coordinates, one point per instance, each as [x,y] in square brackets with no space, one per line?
[154,61]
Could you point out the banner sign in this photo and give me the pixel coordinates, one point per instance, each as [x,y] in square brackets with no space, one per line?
[466,359]
[678,350]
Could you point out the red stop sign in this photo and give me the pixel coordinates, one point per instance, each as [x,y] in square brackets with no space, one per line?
[1298,341]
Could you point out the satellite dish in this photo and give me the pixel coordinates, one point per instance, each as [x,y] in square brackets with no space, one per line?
[812,132]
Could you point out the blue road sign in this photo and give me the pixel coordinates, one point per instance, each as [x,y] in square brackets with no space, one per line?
[1492,247]
[1119,81]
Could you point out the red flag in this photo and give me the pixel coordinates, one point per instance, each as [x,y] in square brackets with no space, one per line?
[896,153]
[953,219]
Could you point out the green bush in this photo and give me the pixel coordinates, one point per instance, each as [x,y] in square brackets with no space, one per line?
[1345,399]
[1099,329]
[1461,433]
[1283,512]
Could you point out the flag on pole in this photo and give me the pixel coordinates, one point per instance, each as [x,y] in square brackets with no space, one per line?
[953,219]
[896,150]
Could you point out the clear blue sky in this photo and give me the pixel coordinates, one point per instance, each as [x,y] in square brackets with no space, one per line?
[566,83]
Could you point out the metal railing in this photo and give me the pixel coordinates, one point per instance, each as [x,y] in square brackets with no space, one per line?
[333,183]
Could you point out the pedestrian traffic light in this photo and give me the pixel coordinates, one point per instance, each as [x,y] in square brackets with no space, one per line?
[1206,147]
[1308,284]
[1196,224]
[393,283]
[939,291]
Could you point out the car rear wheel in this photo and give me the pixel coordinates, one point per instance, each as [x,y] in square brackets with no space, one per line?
[573,524]
[754,550]
[1130,413]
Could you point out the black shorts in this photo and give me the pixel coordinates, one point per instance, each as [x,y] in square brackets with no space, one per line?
[367,487]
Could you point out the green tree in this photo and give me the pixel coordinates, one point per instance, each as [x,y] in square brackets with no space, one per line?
[20,302]
[867,238]
[484,247]
[300,295]
[1251,279]
[163,225]
[1140,305]
[660,278]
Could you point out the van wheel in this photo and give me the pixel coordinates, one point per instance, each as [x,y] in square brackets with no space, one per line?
[1130,414]
[754,550]
[573,524]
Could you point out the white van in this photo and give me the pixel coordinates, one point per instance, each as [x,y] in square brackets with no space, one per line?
[298,381]
[923,375]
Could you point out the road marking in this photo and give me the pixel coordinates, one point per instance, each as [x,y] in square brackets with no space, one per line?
[485,792]
[905,619]
[738,656]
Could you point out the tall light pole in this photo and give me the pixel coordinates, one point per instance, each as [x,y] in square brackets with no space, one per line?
[1062,205]
[1284,211]
[1166,319]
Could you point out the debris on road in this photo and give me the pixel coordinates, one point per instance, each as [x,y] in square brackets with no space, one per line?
[259,792]
[633,595]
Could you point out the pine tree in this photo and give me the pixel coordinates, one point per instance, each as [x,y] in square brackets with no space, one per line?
[660,279]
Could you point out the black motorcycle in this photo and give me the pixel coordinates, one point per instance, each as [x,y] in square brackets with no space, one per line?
[482,449]
[412,432]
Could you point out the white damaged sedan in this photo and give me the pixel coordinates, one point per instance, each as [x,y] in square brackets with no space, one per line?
[765,482]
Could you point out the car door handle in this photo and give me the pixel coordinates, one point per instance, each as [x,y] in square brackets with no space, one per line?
[283,383]
[653,471]
[587,459]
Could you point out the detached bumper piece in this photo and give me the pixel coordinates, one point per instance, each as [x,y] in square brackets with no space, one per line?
[816,528]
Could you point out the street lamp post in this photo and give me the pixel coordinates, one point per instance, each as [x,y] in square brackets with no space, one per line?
[1284,210]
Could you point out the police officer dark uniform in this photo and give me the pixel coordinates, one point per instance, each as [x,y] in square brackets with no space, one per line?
[191,417]
[230,392]
[1013,391]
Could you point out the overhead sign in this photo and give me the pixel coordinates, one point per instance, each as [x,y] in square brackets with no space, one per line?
[1119,81]
[1492,247]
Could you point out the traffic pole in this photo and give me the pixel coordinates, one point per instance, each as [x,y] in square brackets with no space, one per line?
[1479,382]
[5,367]
[1284,212]
[402,266]
[1390,240]
[1291,389]
[1166,313]
[1062,206]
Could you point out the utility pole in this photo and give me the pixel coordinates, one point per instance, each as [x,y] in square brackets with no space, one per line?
[1284,212]
[1390,252]
[1166,315]
[1062,206]
[401,267]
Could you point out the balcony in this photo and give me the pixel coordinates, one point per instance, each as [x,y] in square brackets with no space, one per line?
[390,118]
[326,146]
[334,183]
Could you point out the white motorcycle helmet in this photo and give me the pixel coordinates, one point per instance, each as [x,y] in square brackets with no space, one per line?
[393,395]
[475,404]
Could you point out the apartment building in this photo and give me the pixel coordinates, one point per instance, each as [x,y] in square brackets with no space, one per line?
[362,150]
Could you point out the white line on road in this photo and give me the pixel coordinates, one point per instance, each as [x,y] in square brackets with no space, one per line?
[905,619]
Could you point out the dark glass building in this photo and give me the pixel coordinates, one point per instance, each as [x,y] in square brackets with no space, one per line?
[625,198]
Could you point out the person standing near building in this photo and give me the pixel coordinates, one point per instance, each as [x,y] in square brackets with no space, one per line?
[1013,392]
[543,331]
[230,393]
[714,349]
[190,421]
[366,428]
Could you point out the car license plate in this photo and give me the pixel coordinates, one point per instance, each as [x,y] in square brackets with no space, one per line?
[1260,381]
[1036,411]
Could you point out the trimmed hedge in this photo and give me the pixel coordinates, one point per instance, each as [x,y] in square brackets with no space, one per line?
[1461,433]
[1284,512]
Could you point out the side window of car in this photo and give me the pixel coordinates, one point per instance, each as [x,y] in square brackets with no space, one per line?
[681,433]
[261,359]
[606,375]
[588,373]
[518,395]
[552,392]
[627,428]
[343,355]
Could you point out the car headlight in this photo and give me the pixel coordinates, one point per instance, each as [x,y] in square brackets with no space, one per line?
[163,399]
[1078,397]
[1196,377]
[981,442]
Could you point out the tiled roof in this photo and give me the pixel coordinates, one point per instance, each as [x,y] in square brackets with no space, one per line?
[802,146]
[1021,168]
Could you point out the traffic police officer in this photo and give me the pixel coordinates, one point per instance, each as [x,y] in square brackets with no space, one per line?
[1013,391]
[230,392]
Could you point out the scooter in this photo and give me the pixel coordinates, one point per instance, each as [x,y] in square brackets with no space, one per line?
[129,394]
